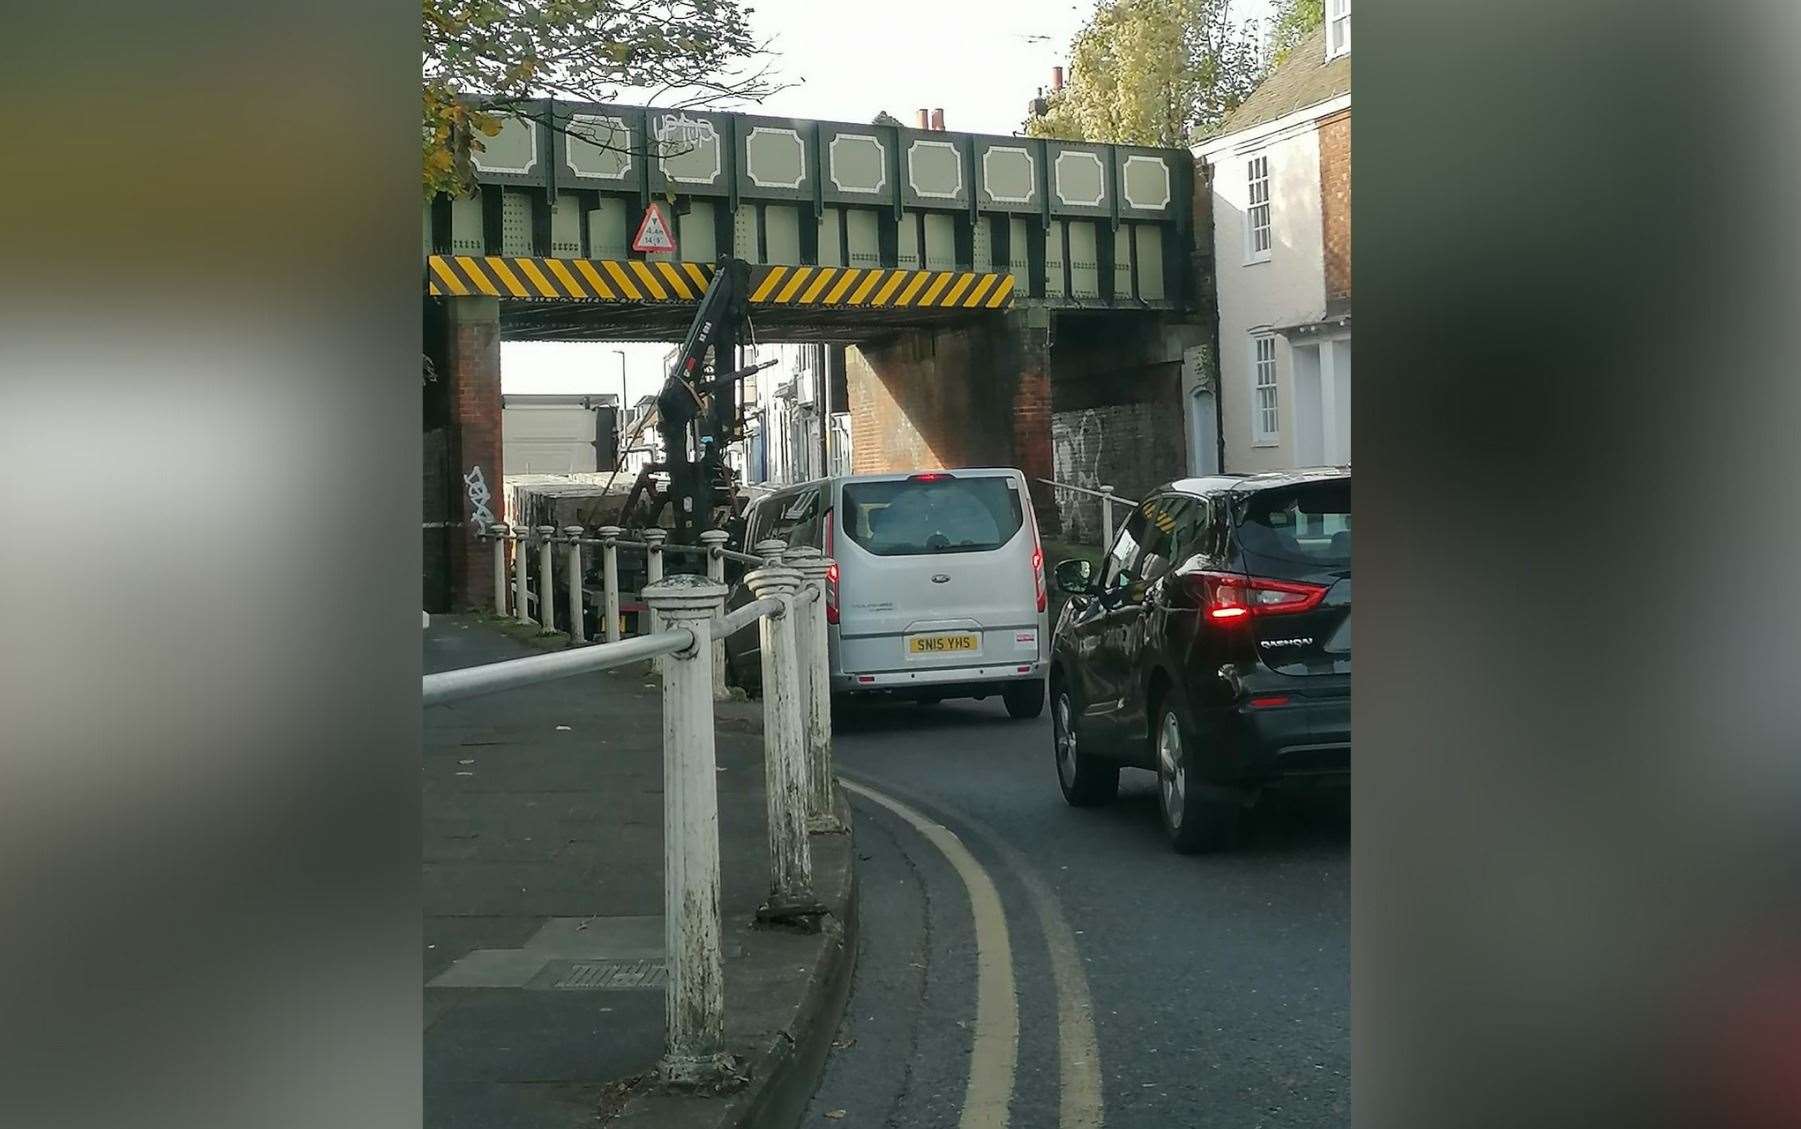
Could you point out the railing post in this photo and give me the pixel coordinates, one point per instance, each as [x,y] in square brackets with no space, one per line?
[521,606]
[1106,517]
[547,589]
[609,578]
[784,746]
[498,533]
[653,574]
[714,541]
[572,534]
[816,691]
[693,1052]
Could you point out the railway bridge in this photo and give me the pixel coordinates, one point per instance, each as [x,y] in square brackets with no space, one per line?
[986,291]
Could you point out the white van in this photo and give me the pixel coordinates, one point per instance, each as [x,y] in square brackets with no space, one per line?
[939,586]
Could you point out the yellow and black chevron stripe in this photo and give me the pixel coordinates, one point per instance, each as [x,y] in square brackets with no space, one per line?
[881,288]
[606,280]
[630,280]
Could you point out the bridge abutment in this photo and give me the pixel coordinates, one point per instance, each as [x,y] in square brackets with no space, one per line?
[467,357]
[970,395]
[1085,399]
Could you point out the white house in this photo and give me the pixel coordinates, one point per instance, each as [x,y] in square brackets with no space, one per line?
[1280,175]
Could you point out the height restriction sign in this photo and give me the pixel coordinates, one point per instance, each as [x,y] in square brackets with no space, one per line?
[653,232]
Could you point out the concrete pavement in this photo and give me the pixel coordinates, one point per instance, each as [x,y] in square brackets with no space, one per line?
[542,866]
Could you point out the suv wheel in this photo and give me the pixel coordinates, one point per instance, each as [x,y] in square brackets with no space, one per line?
[1194,823]
[1024,699]
[1086,780]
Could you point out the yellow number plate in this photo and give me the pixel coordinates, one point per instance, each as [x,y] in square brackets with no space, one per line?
[942,644]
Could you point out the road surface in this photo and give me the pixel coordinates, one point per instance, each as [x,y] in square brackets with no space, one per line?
[1027,964]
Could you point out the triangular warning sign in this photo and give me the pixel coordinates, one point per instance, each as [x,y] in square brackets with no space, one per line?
[653,232]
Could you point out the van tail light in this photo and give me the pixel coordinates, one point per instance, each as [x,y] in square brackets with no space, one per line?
[1038,569]
[1227,598]
[831,574]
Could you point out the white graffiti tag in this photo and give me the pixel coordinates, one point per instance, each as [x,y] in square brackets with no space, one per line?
[479,513]
[680,129]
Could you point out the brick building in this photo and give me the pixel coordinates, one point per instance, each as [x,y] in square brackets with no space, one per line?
[1280,183]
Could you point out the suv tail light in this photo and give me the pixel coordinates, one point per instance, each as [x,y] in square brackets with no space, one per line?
[1228,598]
[831,574]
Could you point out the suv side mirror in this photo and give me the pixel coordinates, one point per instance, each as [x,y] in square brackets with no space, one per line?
[1075,577]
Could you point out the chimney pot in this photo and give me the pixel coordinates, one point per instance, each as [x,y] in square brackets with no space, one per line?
[925,119]
[938,120]
[1056,78]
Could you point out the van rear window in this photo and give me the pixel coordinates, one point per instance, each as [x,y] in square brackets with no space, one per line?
[941,515]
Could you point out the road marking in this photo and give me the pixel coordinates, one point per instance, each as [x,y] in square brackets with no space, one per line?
[996,1051]
[1078,1047]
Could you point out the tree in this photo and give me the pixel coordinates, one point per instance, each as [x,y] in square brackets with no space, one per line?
[503,53]
[1152,72]
[1294,19]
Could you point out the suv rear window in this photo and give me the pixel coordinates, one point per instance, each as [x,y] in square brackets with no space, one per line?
[1295,529]
[938,515]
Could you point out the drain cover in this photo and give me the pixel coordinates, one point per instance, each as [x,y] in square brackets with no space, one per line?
[603,975]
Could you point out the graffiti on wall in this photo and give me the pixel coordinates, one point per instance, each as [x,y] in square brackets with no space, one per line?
[1077,439]
[1130,447]
[479,514]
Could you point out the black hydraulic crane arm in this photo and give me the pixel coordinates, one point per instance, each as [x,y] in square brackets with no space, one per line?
[698,480]
[721,310]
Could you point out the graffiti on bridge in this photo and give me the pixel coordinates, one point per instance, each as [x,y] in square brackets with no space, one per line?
[1076,460]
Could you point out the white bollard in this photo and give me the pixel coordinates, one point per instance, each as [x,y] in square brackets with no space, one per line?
[694,999]
[653,574]
[572,535]
[816,691]
[609,579]
[498,533]
[784,746]
[547,588]
[714,541]
[521,606]
[1106,517]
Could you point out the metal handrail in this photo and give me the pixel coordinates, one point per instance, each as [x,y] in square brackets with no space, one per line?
[737,621]
[689,626]
[742,558]
[471,681]
[1121,498]
[532,606]
[680,550]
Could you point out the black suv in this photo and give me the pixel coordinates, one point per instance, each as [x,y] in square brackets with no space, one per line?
[1214,648]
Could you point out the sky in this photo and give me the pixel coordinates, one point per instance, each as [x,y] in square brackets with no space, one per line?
[980,61]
